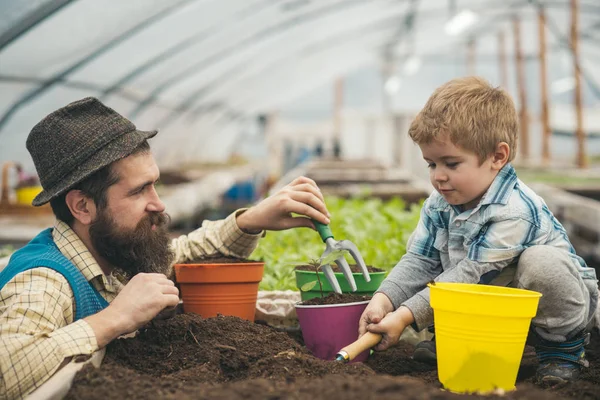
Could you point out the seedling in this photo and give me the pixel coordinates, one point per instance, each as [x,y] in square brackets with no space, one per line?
[317,264]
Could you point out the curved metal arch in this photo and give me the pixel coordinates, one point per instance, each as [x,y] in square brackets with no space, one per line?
[31,20]
[69,84]
[188,102]
[223,111]
[112,43]
[179,47]
[198,66]
[249,102]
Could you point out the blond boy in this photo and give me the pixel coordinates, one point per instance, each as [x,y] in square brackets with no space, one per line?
[483,225]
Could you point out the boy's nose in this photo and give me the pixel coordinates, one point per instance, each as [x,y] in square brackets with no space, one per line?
[439,176]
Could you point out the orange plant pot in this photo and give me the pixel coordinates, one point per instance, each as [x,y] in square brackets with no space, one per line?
[227,289]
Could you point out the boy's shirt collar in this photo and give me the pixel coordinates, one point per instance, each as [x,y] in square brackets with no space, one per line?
[502,187]
[499,192]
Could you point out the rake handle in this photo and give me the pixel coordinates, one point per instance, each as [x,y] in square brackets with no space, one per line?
[324,230]
[363,343]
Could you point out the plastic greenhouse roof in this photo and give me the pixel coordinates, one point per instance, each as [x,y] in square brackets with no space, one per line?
[198,70]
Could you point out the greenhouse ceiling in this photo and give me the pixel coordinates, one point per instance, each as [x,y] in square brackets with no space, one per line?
[200,68]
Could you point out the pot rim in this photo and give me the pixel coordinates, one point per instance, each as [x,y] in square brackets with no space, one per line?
[298,305]
[301,271]
[239,264]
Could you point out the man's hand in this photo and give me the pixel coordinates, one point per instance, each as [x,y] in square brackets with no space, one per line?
[391,327]
[144,296]
[379,306]
[274,213]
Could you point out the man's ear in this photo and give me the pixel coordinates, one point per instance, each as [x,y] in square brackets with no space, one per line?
[82,207]
[501,155]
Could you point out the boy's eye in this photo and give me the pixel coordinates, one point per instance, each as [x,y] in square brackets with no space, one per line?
[430,165]
[452,165]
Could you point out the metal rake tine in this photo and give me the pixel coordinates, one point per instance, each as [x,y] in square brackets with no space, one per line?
[353,250]
[343,265]
[328,272]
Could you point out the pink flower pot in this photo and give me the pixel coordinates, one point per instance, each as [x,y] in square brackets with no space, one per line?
[328,328]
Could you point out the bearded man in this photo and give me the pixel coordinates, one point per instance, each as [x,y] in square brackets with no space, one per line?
[59,295]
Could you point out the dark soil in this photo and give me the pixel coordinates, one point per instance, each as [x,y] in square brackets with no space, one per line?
[336,298]
[220,260]
[228,358]
[353,267]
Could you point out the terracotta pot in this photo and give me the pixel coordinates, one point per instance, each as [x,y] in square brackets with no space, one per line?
[227,289]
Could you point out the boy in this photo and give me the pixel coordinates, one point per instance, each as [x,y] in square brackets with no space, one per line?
[483,225]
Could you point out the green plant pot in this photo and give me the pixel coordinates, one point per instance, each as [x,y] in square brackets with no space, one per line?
[362,287]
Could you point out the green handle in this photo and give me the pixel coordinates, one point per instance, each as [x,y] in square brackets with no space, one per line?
[323,230]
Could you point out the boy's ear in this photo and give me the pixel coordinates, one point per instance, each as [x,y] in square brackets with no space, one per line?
[81,206]
[501,155]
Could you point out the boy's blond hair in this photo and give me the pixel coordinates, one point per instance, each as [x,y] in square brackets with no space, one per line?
[475,115]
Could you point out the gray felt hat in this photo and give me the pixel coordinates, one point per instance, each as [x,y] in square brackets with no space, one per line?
[75,141]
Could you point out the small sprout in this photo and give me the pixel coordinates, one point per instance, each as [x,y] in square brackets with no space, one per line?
[317,264]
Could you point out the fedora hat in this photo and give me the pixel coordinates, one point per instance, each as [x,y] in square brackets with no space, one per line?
[73,142]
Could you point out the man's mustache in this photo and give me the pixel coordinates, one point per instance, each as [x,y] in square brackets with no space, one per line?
[159,219]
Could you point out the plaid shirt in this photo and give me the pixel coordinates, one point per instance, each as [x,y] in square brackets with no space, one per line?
[473,246]
[37,332]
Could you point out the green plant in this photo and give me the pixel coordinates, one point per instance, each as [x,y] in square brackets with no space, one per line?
[317,264]
[6,250]
[378,228]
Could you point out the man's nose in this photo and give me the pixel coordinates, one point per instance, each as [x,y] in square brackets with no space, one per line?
[156,204]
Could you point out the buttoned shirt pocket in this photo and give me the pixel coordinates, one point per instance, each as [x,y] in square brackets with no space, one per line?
[441,241]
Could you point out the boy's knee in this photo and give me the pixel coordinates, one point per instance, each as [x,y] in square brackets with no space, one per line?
[544,263]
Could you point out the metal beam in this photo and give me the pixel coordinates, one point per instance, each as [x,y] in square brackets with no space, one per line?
[180,47]
[188,102]
[103,49]
[196,67]
[32,19]
[565,42]
[545,113]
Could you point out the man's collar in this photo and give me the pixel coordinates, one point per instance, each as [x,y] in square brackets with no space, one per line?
[73,248]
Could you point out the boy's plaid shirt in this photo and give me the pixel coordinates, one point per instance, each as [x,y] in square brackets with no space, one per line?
[37,332]
[451,245]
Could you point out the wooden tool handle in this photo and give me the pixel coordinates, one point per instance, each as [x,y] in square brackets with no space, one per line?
[363,343]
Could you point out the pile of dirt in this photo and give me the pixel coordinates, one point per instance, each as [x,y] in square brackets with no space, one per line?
[230,358]
[190,350]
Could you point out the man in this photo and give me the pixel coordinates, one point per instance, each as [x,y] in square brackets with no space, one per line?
[59,295]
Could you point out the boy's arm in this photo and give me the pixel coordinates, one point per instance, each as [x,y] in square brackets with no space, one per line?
[495,248]
[419,265]
[409,277]
[467,271]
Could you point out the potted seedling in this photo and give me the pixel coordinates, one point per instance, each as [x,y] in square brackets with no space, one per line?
[225,285]
[311,281]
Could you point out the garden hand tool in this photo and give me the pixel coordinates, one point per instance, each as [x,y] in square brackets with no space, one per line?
[333,245]
[363,343]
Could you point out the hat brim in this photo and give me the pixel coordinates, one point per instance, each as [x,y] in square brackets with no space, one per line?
[119,148]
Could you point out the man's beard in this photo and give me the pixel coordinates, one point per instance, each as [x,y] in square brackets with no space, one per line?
[133,251]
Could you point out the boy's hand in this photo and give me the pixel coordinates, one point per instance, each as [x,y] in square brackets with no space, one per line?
[391,327]
[379,306]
